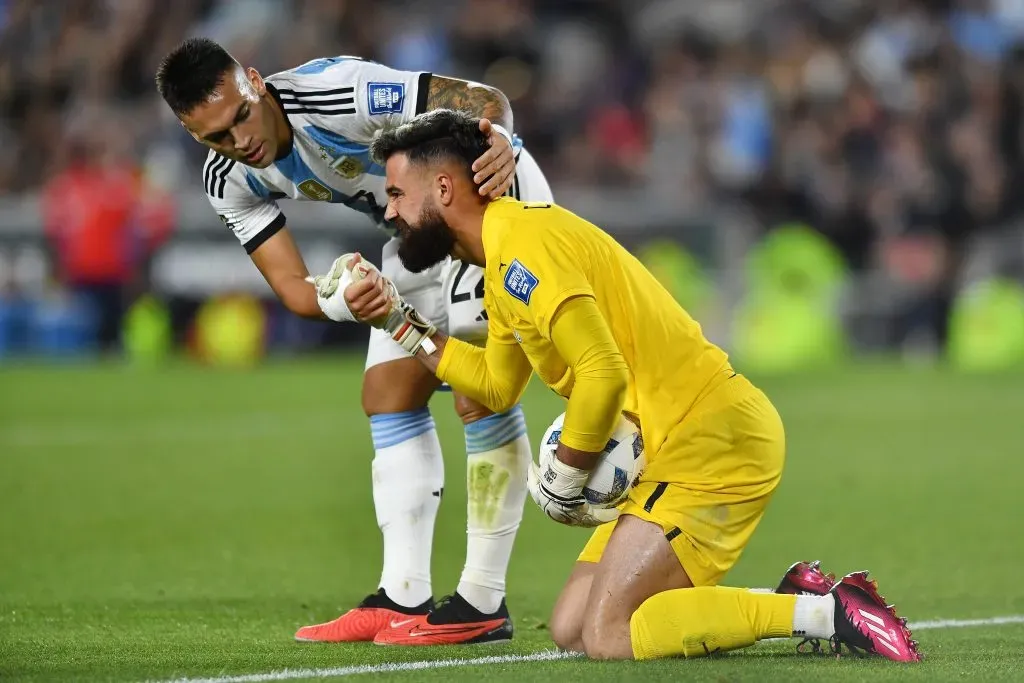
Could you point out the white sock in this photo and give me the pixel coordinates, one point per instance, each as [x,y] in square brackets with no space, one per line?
[408,480]
[814,616]
[498,455]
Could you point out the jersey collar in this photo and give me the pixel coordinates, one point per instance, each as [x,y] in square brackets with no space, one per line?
[282,153]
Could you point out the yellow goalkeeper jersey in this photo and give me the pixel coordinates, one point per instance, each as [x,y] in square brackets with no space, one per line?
[540,255]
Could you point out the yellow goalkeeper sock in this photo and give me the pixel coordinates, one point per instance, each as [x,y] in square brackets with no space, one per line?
[701,621]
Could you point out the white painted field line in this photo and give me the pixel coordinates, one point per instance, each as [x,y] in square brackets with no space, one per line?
[546,656]
[966,623]
[293,674]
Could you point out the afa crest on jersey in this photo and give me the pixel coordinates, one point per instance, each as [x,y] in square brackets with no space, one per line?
[386,98]
[348,167]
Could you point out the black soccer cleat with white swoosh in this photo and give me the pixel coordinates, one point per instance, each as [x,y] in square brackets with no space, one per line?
[452,622]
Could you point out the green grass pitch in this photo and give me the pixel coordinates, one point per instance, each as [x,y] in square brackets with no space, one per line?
[181,523]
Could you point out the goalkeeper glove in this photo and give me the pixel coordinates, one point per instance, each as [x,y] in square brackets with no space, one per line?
[406,326]
[336,281]
[558,489]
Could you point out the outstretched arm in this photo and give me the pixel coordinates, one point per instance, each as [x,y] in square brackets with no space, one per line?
[280,262]
[495,375]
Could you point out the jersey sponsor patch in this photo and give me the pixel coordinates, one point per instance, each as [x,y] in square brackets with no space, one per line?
[520,282]
[315,190]
[386,98]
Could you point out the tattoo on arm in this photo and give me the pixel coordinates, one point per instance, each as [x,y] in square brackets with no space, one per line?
[479,100]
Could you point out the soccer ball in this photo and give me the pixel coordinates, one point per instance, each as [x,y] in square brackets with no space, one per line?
[618,468]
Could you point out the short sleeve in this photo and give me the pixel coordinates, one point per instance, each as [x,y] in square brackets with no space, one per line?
[391,97]
[250,213]
[369,96]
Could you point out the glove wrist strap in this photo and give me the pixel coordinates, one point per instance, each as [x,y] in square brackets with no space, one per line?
[567,481]
[409,329]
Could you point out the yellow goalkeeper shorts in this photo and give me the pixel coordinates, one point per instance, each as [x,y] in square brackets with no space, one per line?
[711,481]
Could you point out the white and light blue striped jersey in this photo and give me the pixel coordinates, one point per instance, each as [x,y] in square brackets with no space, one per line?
[334,106]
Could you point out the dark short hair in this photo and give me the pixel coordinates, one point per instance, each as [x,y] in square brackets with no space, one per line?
[432,137]
[192,72]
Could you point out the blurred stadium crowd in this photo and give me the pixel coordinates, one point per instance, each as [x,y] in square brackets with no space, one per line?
[892,127]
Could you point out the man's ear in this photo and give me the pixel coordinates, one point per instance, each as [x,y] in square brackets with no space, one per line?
[257,81]
[445,189]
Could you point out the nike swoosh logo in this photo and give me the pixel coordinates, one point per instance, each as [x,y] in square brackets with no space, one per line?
[417,631]
[399,624]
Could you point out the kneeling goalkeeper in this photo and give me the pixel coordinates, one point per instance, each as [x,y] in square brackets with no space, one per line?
[566,301]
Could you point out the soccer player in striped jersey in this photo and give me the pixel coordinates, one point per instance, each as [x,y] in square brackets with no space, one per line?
[304,134]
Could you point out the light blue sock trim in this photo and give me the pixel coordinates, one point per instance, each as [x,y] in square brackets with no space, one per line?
[392,429]
[494,431]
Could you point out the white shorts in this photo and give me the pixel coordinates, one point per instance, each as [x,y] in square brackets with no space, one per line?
[450,294]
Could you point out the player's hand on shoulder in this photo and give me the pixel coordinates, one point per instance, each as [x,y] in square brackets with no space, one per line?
[496,168]
[557,489]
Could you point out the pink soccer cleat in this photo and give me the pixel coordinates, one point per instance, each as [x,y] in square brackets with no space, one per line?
[806,578]
[864,623]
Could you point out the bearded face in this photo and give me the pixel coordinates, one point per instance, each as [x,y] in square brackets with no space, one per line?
[426,243]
